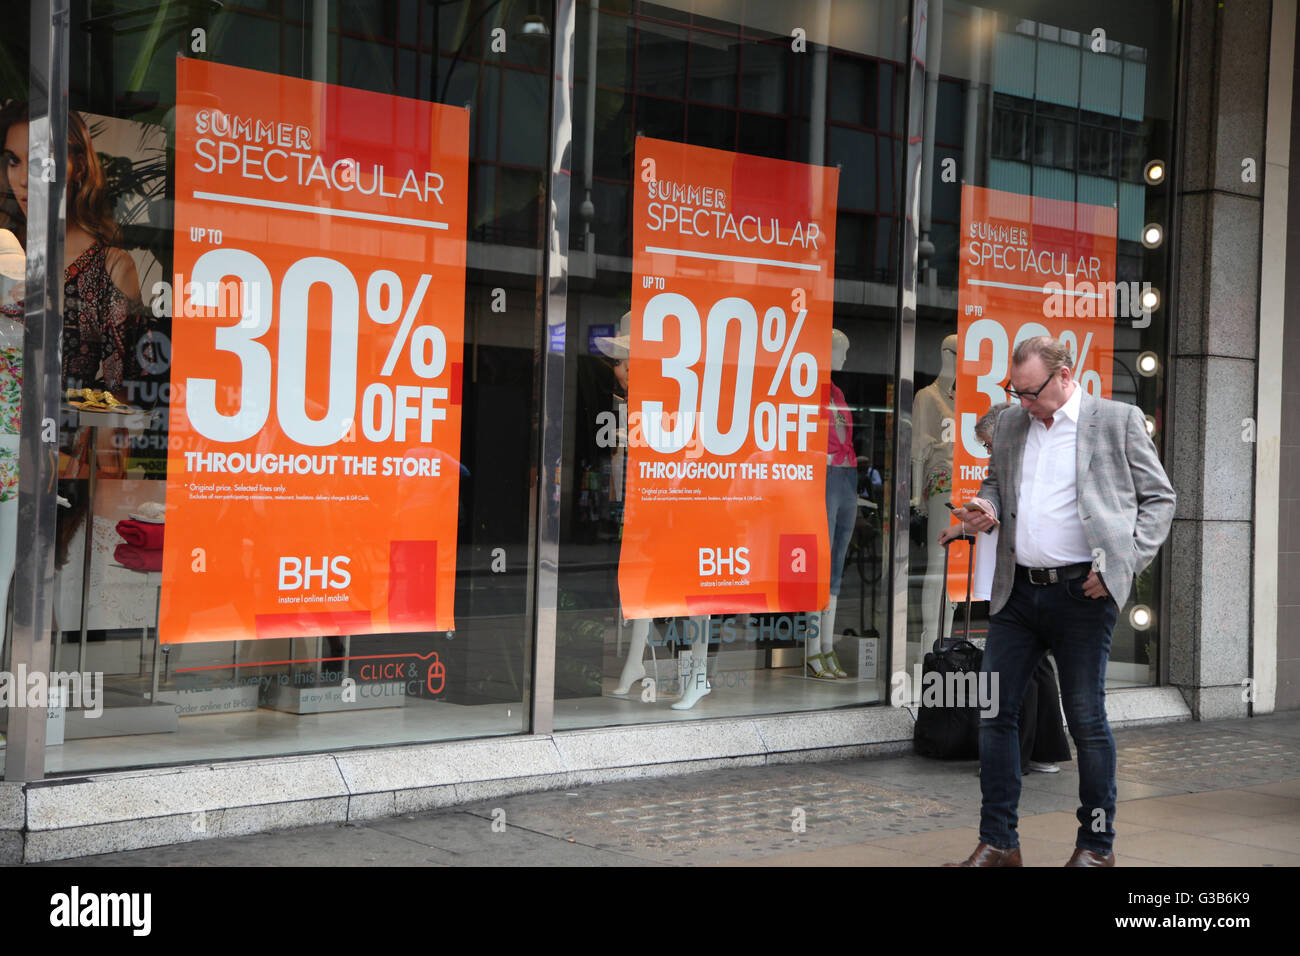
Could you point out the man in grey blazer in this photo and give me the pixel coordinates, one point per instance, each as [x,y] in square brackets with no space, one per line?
[1084,505]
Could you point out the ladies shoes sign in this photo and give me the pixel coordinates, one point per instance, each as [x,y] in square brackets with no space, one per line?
[732,292]
[313,476]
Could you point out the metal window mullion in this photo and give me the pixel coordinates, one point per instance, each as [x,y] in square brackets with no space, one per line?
[554,308]
[42,376]
[905,367]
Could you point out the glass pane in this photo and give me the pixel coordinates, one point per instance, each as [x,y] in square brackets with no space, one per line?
[852,96]
[713,69]
[661,59]
[707,126]
[710,593]
[614,51]
[762,78]
[763,135]
[1061,131]
[309,526]
[1010,133]
[14,80]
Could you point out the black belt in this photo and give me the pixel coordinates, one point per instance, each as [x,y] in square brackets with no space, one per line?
[1044,576]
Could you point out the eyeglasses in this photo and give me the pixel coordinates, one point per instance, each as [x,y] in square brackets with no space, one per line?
[1032,396]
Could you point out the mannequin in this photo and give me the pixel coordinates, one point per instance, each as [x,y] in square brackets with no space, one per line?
[13,268]
[633,665]
[933,426]
[697,685]
[697,682]
[841,513]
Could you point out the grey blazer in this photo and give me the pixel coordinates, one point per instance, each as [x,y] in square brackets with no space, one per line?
[1125,500]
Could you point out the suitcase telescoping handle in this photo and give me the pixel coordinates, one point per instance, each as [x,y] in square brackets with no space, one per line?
[943,592]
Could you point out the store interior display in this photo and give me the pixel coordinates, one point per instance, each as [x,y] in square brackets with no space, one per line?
[841,513]
[695,684]
[759,198]
[13,270]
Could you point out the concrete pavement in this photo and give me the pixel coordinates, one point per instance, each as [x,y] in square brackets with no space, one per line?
[1225,793]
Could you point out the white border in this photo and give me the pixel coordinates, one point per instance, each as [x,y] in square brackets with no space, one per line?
[317,210]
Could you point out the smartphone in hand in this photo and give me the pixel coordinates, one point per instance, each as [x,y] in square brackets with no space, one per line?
[972,508]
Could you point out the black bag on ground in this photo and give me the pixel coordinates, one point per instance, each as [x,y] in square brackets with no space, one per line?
[947,732]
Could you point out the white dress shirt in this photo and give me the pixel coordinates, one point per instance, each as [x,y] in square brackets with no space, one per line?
[1049,533]
[986,562]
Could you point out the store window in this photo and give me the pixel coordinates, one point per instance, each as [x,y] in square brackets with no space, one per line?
[299,492]
[300,342]
[1057,126]
[13,272]
[730,350]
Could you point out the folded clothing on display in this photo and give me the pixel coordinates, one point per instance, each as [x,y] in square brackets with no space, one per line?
[141,534]
[143,548]
[138,559]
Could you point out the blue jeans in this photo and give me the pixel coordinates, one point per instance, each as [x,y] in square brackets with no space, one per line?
[841,515]
[1077,630]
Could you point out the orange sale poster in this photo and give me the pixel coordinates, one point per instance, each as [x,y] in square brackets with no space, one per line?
[313,467]
[1028,266]
[729,369]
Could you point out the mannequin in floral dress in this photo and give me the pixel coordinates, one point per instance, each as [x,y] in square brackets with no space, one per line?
[102,318]
[102,321]
[12,272]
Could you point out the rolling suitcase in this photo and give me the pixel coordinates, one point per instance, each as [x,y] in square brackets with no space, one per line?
[948,732]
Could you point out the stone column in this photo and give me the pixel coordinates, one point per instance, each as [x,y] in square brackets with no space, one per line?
[1221,121]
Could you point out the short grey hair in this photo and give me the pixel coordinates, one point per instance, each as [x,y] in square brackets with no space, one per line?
[984,428]
[1054,353]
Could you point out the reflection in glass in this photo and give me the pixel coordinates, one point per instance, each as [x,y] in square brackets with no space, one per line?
[682,86]
[287,694]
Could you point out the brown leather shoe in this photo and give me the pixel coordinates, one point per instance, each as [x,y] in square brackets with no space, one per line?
[1082,857]
[986,855]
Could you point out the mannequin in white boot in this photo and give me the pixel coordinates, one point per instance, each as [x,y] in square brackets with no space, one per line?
[697,684]
[933,428]
[616,347]
[841,513]
[694,685]
[633,665]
